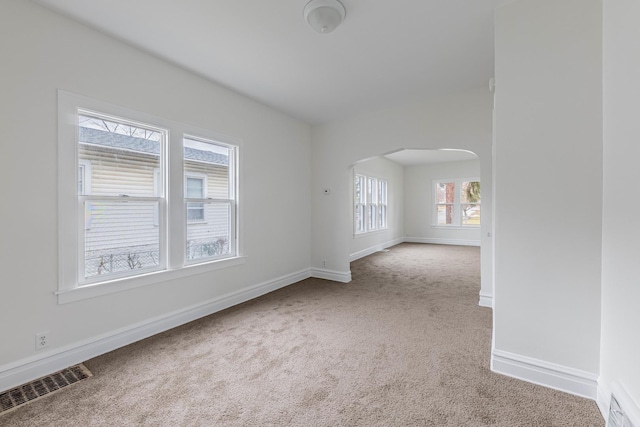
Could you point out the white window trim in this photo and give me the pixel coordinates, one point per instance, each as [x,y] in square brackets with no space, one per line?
[368,204]
[457,214]
[68,212]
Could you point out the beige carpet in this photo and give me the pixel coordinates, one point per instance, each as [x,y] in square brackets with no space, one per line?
[403,344]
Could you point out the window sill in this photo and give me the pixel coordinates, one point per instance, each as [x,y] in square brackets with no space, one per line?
[369,233]
[117,285]
[456,227]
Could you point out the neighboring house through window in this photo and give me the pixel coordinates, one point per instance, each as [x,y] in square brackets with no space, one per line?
[457,202]
[370,204]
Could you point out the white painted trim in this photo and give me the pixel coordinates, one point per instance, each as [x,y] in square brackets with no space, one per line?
[628,405]
[547,374]
[127,283]
[44,363]
[336,276]
[486,300]
[437,241]
[373,249]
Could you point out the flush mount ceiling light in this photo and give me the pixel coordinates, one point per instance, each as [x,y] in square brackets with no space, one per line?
[324,15]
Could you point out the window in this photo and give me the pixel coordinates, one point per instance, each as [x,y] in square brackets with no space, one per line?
[116,216]
[119,238]
[382,204]
[370,204]
[360,201]
[209,198]
[195,188]
[457,202]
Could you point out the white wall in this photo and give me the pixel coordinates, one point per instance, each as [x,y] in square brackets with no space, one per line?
[620,355]
[548,191]
[367,243]
[461,120]
[43,52]
[420,201]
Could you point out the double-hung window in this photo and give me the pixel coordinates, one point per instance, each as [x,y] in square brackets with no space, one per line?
[122,222]
[457,202]
[209,199]
[382,204]
[118,238]
[360,203]
[370,204]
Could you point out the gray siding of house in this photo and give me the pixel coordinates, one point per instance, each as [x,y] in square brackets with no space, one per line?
[125,234]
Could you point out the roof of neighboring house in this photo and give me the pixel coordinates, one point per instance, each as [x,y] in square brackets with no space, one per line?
[133,143]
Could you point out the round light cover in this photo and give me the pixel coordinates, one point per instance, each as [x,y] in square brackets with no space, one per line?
[324,15]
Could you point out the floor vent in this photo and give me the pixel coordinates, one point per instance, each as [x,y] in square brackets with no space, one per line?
[12,399]
[617,417]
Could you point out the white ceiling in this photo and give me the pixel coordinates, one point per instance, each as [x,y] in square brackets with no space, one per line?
[386,52]
[421,157]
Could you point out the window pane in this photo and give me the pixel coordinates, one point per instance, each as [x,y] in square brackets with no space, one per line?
[382,218]
[372,190]
[445,192]
[470,214]
[360,217]
[445,214]
[470,192]
[195,211]
[210,239]
[123,157]
[382,196]
[212,161]
[120,237]
[372,217]
[195,188]
[359,189]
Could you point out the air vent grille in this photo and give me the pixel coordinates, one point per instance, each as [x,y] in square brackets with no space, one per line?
[12,399]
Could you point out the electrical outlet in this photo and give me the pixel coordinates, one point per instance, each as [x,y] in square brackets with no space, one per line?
[42,340]
[324,262]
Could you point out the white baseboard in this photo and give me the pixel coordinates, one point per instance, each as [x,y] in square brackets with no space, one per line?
[336,276]
[44,363]
[486,300]
[558,377]
[366,252]
[437,241]
[630,408]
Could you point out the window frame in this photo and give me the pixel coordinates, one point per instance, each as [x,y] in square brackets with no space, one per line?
[360,206]
[456,204]
[369,204]
[85,202]
[383,194]
[173,221]
[230,201]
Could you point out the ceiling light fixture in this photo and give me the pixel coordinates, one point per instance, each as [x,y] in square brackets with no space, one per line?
[324,15]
